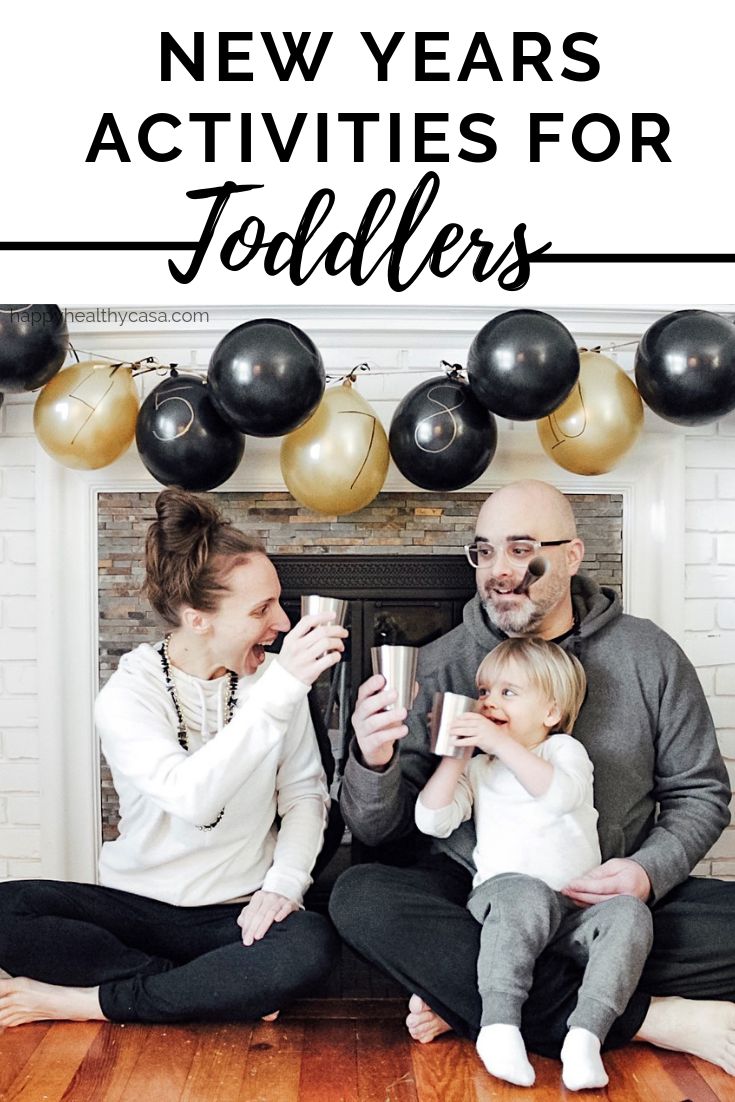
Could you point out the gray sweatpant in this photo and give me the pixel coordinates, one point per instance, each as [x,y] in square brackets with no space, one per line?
[521,915]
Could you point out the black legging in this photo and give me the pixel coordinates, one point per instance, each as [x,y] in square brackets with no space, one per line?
[155,962]
[414,924]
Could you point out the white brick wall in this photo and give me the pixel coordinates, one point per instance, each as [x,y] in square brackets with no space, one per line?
[710,594]
[20,838]
[709,610]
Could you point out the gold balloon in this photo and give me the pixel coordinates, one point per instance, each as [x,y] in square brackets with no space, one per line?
[597,423]
[85,416]
[337,461]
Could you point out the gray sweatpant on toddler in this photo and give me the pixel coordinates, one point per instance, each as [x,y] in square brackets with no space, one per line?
[521,916]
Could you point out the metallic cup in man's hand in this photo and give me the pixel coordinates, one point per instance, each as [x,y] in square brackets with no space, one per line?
[444,710]
[398,667]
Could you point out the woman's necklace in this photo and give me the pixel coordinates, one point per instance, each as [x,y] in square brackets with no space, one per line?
[181,732]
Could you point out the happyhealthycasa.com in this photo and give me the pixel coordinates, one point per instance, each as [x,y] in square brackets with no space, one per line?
[424,137]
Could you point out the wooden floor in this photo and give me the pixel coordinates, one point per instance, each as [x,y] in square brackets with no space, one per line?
[347,1050]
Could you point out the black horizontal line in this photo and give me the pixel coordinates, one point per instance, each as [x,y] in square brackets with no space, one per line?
[96,246]
[543,258]
[634,258]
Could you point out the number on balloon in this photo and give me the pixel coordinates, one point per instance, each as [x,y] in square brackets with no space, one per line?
[93,400]
[424,431]
[173,396]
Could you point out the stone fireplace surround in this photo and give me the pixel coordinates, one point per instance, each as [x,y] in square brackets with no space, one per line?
[404,549]
[650,482]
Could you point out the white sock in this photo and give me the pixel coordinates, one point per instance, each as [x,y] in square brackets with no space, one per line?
[582,1067]
[502,1051]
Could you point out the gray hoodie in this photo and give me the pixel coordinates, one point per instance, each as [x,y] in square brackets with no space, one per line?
[661,788]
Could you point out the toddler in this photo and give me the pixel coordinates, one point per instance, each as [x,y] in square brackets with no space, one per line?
[530,794]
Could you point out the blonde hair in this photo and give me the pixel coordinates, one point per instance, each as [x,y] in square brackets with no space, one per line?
[559,676]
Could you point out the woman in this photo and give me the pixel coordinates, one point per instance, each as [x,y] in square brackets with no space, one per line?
[223,804]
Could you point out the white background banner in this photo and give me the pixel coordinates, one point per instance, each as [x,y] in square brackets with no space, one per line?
[455,144]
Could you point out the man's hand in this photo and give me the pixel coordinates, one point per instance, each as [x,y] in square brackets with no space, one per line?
[261,912]
[377,730]
[619,876]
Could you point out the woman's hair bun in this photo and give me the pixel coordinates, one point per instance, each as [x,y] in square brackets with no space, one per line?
[185,523]
[189,550]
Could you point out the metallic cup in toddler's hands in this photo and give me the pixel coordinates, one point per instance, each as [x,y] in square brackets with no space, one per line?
[398,667]
[444,710]
[312,603]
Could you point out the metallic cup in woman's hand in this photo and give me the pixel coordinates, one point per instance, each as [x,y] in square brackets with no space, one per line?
[312,603]
[444,710]
[398,667]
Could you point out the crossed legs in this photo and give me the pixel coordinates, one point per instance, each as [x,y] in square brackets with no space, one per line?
[82,951]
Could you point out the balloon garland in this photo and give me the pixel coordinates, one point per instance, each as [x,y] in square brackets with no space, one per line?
[267,377]
[182,440]
[337,462]
[522,364]
[85,416]
[33,345]
[598,423]
[441,436]
[685,367]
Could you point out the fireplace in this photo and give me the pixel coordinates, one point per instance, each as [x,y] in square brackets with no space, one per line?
[399,563]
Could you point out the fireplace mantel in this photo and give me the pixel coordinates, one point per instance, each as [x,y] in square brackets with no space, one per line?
[651,482]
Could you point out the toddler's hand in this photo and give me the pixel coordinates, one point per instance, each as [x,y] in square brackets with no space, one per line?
[472,729]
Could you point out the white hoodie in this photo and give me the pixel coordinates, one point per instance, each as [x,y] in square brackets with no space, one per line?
[264,762]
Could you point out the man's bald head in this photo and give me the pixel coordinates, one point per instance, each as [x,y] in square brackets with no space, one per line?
[532,502]
[528,510]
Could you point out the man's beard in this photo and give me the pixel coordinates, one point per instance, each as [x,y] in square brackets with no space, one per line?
[519,620]
[524,618]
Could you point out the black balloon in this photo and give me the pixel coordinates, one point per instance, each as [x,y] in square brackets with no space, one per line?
[266,377]
[181,438]
[441,437]
[522,364]
[33,345]
[685,367]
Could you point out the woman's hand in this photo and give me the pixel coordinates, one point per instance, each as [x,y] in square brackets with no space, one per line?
[312,646]
[375,728]
[261,912]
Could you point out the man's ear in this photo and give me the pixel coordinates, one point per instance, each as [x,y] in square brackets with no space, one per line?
[575,554]
[195,621]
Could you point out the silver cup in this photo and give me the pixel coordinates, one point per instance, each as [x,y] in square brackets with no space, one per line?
[398,667]
[444,710]
[313,603]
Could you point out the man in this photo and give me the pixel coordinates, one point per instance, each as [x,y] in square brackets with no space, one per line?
[660,788]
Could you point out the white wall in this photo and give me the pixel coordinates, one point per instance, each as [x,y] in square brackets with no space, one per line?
[401,343]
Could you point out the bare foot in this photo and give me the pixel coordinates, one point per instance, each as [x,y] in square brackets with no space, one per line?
[270,1017]
[422,1023]
[23,1000]
[698,1027]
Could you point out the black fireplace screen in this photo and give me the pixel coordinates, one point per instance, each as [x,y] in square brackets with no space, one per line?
[409,601]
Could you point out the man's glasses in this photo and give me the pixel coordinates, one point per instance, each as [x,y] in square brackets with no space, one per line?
[515,551]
